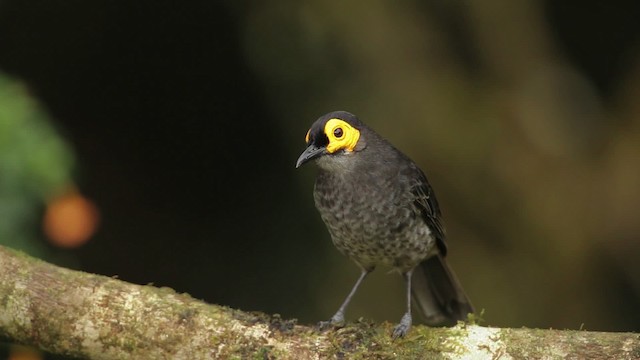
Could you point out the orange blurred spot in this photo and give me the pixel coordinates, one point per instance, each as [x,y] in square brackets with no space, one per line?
[70,220]
[24,353]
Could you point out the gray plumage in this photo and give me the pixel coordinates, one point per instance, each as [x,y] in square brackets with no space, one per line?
[381,211]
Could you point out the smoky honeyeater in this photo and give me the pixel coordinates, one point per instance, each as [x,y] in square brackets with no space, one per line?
[381,211]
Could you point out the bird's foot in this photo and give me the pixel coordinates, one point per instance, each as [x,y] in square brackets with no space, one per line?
[403,327]
[337,321]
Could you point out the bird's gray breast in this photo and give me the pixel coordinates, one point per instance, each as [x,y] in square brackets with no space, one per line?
[372,219]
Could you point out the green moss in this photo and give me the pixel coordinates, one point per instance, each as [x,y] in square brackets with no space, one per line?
[476,318]
[365,340]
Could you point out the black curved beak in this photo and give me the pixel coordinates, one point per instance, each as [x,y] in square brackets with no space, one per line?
[310,153]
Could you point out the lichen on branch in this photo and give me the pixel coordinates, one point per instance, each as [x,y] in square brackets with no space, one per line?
[92,316]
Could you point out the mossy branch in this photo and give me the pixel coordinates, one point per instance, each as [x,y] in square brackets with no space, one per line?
[90,316]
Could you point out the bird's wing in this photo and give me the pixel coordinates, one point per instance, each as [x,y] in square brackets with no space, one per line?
[426,202]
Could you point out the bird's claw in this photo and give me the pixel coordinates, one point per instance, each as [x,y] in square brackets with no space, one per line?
[403,327]
[335,322]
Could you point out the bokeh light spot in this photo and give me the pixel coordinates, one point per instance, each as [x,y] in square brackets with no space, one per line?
[70,220]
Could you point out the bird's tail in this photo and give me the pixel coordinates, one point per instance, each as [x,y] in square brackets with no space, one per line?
[437,293]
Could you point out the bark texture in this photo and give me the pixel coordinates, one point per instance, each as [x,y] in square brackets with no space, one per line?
[90,316]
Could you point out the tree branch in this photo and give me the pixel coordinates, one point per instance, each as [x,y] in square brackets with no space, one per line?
[90,316]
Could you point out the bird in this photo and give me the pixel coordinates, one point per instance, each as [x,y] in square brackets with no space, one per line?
[380,210]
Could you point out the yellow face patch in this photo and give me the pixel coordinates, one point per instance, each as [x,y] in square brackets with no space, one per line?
[341,135]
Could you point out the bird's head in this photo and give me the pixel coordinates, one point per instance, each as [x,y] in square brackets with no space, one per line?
[333,139]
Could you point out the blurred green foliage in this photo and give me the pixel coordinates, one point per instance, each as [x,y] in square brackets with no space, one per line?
[35,164]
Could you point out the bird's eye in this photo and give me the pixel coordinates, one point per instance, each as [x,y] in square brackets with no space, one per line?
[338,132]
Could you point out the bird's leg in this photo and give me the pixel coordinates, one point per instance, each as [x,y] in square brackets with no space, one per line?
[405,323]
[338,318]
